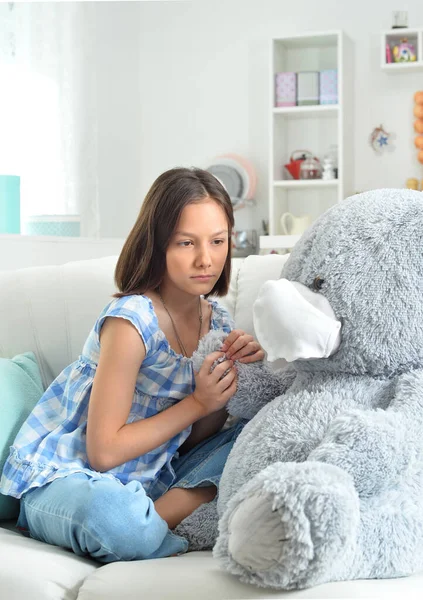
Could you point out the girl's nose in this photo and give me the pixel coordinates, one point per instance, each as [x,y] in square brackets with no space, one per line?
[203,258]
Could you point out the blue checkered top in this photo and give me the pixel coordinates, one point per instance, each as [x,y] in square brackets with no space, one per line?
[52,441]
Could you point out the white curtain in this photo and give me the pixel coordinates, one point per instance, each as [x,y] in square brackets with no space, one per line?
[48,108]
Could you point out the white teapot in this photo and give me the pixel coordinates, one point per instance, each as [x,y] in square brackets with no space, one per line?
[292,225]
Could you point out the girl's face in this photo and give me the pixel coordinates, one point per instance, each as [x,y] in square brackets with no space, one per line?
[198,248]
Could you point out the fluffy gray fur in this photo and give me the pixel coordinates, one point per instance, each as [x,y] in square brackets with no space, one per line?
[326,482]
[201,527]
[257,385]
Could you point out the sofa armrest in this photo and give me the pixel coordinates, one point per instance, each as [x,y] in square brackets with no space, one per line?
[253,272]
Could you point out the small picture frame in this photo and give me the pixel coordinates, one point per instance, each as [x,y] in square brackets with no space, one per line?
[399,19]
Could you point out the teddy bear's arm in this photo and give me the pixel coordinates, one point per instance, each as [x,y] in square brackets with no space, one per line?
[377,447]
[257,385]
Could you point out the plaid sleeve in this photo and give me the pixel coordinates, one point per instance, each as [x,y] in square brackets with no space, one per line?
[139,311]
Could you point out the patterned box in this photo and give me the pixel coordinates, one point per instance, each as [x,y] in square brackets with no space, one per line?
[62,225]
[329,86]
[308,88]
[285,89]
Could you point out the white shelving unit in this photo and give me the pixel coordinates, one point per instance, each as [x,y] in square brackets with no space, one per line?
[291,184]
[394,36]
[313,128]
[301,111]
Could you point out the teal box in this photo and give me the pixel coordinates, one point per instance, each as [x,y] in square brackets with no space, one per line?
[10,204]
[61,225]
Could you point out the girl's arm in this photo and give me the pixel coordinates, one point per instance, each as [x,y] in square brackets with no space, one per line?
[242,347]
[110,440]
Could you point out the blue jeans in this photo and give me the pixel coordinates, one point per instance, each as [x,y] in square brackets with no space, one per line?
[99,517]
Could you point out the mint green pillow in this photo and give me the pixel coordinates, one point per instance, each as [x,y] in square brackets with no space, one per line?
[20,389]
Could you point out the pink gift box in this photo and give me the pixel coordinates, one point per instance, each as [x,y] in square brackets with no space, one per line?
[329,86]
[285,89]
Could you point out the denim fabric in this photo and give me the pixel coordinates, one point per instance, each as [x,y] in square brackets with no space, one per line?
[109,521]
[203,464]
[98,517]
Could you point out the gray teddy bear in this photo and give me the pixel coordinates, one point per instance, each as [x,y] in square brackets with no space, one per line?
[325,483]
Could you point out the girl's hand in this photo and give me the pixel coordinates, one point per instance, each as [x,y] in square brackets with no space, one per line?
[214,389]
[242,346]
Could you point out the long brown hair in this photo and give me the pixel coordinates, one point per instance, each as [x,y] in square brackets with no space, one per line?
[142,261]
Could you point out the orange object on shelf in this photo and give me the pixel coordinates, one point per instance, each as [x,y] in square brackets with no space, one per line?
[412,184]
[418,124]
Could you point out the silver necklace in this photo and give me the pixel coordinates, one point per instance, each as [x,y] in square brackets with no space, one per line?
[200,318]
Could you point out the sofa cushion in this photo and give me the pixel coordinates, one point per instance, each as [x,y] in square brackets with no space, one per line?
[253,273]
[20,390]
[55,330]
[35,571]
[197,575]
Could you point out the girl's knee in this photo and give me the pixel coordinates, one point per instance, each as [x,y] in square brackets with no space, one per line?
[111,505]
[122,520]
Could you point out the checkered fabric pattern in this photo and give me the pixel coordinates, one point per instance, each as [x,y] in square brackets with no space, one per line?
[52,441]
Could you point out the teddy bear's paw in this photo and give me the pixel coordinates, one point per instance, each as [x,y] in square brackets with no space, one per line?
[255,524]
[293,525]
[211,342]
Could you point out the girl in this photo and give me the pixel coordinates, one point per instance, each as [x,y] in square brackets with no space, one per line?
[128,440]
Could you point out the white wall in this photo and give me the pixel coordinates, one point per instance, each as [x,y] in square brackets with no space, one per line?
[204,84]
[119,115]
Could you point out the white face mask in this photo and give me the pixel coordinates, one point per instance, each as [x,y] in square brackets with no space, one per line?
[293,322]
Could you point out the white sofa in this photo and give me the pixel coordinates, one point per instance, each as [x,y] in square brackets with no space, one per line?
[50,310]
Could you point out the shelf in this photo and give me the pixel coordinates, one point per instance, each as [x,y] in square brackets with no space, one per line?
[403,67]
[306,183]
[273,242]
[303,41]
[401,32]
[322,129]
[319,110]
[395,36]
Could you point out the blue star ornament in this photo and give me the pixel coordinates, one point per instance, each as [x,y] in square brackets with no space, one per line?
[381,141]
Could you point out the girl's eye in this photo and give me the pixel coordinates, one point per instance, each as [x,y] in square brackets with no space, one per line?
[187,243]
[318,283]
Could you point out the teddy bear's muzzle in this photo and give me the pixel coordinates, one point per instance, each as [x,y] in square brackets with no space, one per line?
[293,322]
